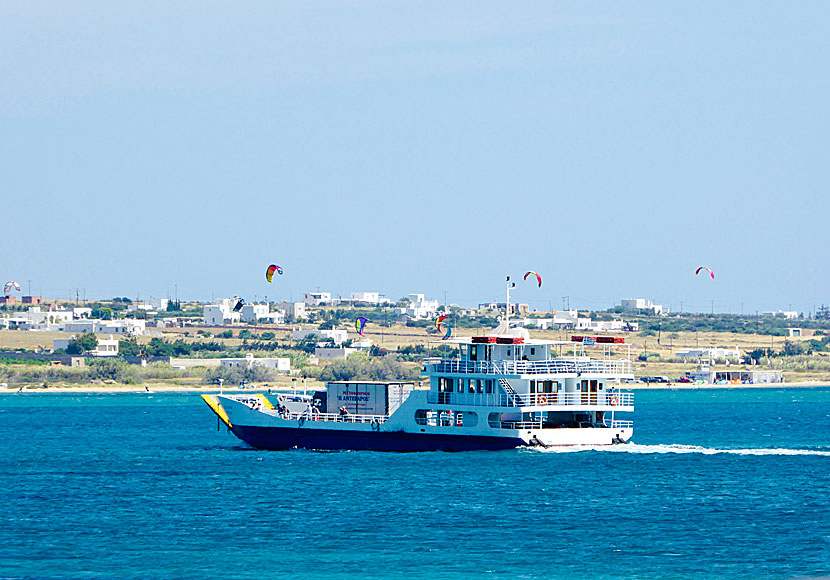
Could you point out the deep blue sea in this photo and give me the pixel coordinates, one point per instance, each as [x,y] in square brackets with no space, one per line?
[718,484]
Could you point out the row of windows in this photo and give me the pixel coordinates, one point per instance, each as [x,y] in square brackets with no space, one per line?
[450,385]
[483,351]
[545,387]
[446,418]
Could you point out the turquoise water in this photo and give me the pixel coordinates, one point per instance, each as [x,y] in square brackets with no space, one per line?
[718,484]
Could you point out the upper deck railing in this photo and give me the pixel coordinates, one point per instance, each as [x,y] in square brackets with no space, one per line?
[530,367]
[561,399]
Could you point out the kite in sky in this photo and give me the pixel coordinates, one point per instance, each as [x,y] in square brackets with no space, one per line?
[712,274]
[538,277]
[239,304]
[269,273]
[440,319]
[359,324]
[449,333]
[7,289]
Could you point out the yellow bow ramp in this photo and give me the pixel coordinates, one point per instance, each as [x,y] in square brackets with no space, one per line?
[214,404]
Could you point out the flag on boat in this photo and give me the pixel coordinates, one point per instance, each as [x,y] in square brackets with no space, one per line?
[588,340]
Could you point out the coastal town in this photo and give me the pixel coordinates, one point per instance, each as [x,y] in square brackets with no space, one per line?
[192,344]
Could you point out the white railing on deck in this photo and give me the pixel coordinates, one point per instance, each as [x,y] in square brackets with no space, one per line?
[605,399]
[332,417]
[530,367]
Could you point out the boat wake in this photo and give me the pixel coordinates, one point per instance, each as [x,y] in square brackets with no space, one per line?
[680,449]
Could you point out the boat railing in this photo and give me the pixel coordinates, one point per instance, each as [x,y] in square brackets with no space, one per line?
[622,424]
[333,417]
[530,367]
[533,399]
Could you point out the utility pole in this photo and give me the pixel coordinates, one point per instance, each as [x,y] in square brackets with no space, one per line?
[681,307]
[713,307]
[30,287]
[566,302]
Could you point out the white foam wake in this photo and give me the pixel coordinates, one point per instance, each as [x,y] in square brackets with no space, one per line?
[680,449]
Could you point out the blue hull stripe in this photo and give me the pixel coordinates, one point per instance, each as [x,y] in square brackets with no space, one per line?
[276,438]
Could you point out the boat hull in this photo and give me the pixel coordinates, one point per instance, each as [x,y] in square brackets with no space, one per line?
[279,438]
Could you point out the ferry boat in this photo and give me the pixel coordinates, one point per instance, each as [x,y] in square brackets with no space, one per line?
[502,390]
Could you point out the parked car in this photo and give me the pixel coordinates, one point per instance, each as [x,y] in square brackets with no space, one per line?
[684,380]
[656,380]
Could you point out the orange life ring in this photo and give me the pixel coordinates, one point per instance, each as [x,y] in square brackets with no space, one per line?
[543,400]
[613,399]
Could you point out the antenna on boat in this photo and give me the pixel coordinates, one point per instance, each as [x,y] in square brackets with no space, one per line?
[507,304]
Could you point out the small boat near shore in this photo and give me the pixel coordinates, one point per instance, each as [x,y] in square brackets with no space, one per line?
[502,390]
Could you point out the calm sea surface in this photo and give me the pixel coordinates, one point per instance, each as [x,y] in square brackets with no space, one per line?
[719,484]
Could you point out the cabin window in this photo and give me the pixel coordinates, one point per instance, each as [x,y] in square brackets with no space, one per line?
[479,385]
[471,385]
[444,385]
[473,352]
[532,387]
[509,352]
[426,417]
[532,350]
[488,386]
[460,385]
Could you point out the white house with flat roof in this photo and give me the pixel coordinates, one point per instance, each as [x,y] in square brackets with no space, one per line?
[641,304]
[420,307]
[126,326]
[316,298]
[106,346]
[295,310]
[338,335]
[221,313]
[254,312]
[788,314]
[367,298]
[277,364]
[710,353]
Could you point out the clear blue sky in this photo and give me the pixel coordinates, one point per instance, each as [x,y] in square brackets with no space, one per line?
[403,147]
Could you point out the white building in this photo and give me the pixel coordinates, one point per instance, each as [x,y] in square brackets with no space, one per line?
[329,354]
[36,317]
[337,335]
[126,326]
[221,313]
[713,353]
[277,364]
[419,307]
[788,314]
[81,312]
[295,310]
[368,298]
[106,346]
[254,312]
[316,298]
[641,304]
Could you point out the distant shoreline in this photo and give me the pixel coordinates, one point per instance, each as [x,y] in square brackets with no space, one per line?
[213,389]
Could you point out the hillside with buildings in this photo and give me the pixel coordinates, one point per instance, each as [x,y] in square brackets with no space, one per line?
[278,342]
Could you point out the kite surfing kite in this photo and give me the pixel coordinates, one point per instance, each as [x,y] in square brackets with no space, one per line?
[440,319]
[7,289]
[712,274]
[239,304]
[269,273]
[359,324]
[448,334]
[538,277]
